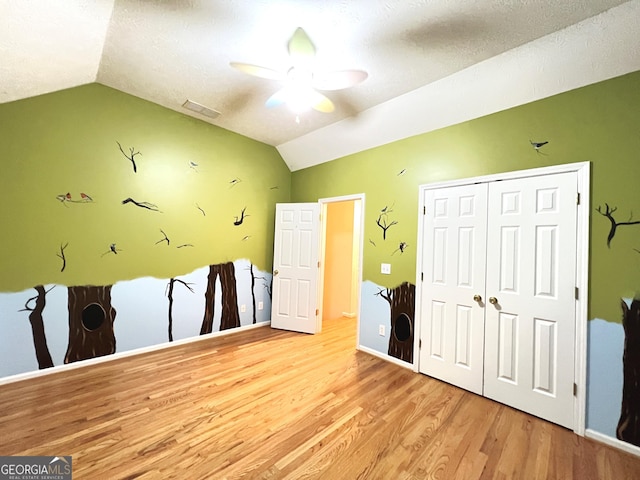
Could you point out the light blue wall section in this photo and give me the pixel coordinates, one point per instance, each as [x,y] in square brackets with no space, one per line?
[604,376]
[375,311]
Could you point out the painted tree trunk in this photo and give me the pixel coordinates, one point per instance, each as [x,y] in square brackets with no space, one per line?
[37,330]
[629,424]
[402,303]
[91,318]
[230,318]
[170,297]
[253,293]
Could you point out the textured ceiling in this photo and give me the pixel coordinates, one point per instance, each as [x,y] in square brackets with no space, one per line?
[168,51]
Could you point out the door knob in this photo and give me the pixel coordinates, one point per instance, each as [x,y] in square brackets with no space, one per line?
[275,272]
[493,300]
[477,298]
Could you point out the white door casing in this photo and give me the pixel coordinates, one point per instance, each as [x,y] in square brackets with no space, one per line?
[295,268]
[454,234]
[531,272]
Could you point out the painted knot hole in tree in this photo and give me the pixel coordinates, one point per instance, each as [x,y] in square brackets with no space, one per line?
[93,316]
[402,328]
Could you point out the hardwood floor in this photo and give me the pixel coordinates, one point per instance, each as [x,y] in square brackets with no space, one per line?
[271,404]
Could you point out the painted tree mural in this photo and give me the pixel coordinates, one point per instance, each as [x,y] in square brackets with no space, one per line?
[37,327]
[91,318]
[629,424]
[230,318]
[401,301]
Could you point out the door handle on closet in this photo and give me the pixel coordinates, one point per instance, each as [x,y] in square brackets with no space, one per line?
[493,300]
[477,298]
[275,272]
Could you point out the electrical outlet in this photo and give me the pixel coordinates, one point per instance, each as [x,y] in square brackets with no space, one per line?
[385,268]
[243,308]
[381,330]
[260,305]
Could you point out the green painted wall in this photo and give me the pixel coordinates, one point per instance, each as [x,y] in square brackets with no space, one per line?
[65,142]
[599,123]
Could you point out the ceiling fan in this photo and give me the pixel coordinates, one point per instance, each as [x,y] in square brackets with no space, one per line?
[301,81]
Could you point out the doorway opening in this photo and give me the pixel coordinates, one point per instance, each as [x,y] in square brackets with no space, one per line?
[341,257]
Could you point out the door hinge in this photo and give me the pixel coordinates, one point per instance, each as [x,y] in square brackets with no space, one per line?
[577,293]
[575,389]
[578,198]
[424,210]
[317,312]
[422,276]
[419,343]
[318,263]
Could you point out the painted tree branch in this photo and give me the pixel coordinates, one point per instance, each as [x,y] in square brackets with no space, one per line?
[61,255]
[382,223]
[147,205]
[608,213]
[386,294]
[131,156]
[238,221]
[268,285]
[165,239]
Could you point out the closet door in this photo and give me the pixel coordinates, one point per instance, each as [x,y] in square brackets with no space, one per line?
[454,246]
[530,311]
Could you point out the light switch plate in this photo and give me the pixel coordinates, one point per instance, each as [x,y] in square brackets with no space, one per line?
[385,268]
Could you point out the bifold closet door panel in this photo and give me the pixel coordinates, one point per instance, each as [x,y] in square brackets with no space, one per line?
[454,251]
[530,288]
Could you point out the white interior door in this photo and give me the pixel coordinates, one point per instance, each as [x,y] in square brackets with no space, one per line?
[531,274]
[295,268]
[454,253]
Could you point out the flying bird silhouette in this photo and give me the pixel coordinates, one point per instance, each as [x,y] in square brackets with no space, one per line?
[537,145]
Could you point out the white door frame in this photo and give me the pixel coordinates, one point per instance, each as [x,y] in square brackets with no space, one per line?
[583,170]
[323,233]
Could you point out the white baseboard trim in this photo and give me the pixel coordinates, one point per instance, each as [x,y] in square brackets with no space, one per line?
[129,353]
[385,357]
[612,442]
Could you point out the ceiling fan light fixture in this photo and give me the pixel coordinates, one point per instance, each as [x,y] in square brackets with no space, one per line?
[301,84]
[299,98]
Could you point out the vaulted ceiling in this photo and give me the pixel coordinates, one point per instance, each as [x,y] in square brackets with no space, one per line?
[168,51]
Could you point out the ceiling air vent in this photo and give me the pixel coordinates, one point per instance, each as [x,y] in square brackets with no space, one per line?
[201,109]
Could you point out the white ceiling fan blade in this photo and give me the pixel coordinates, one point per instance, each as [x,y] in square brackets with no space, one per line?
[258,71]
[301,48]
[338,80]
[277,99]
[320,103]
